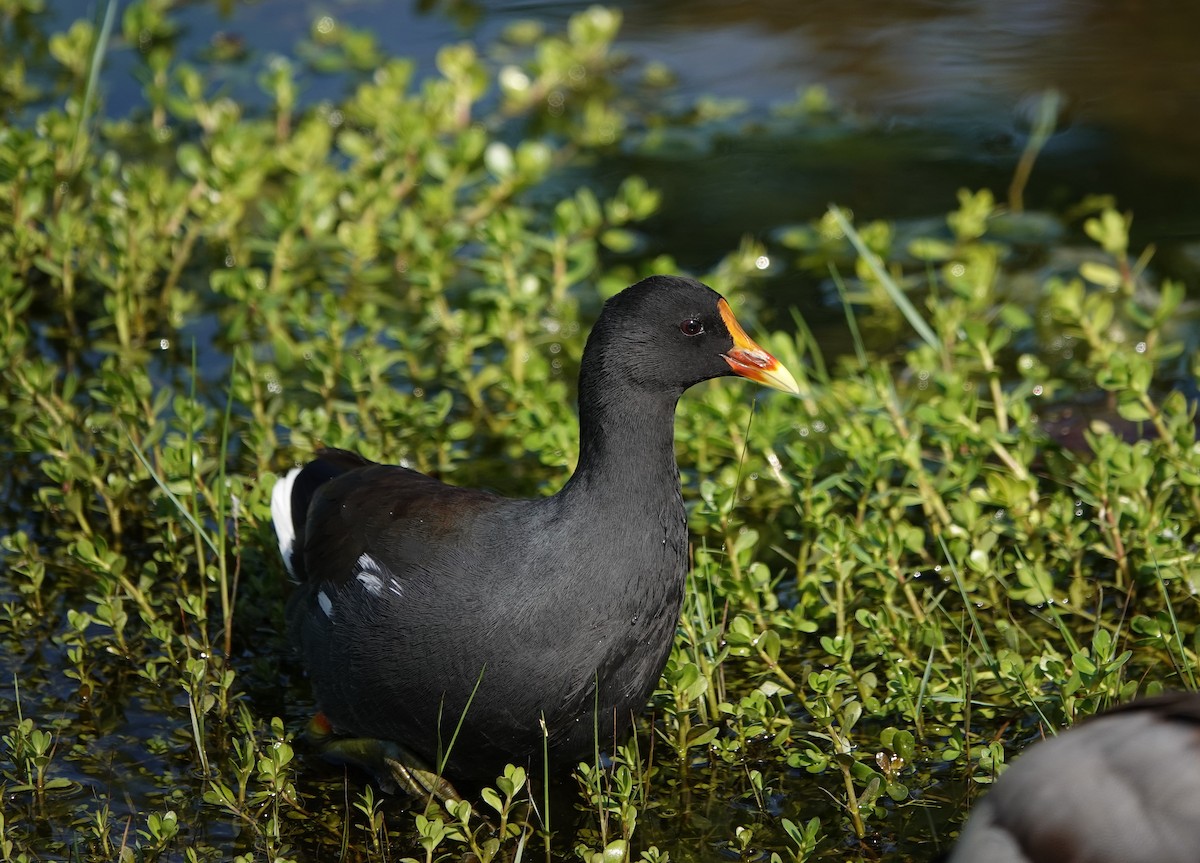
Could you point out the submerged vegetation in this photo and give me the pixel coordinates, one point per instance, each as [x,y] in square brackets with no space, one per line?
[974,534]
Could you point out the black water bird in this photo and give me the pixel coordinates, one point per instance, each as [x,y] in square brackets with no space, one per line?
[1123,787]
[462,630]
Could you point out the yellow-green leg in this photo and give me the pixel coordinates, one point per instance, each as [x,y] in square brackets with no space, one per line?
[392,766]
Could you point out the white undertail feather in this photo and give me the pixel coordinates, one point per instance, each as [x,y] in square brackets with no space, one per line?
[281,515]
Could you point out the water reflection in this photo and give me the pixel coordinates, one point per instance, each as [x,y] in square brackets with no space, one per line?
[957,83]
[1128,69]
[951,84]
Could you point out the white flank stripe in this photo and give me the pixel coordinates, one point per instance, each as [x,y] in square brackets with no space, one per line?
[372,582]
[372,574]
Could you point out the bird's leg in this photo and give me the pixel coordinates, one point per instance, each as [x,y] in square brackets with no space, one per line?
[392,766]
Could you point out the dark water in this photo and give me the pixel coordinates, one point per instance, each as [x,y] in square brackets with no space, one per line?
[948,88]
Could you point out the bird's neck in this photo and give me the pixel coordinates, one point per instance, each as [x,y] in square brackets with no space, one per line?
[627,450]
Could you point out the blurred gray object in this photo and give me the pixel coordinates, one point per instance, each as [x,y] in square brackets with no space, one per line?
[1119,788]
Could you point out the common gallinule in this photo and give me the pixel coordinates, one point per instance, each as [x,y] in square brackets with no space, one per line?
[1120,788]
[469,630]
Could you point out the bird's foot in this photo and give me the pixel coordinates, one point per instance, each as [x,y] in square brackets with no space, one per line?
[392,766]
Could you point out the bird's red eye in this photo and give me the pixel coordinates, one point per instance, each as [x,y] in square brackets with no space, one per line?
[691,327]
